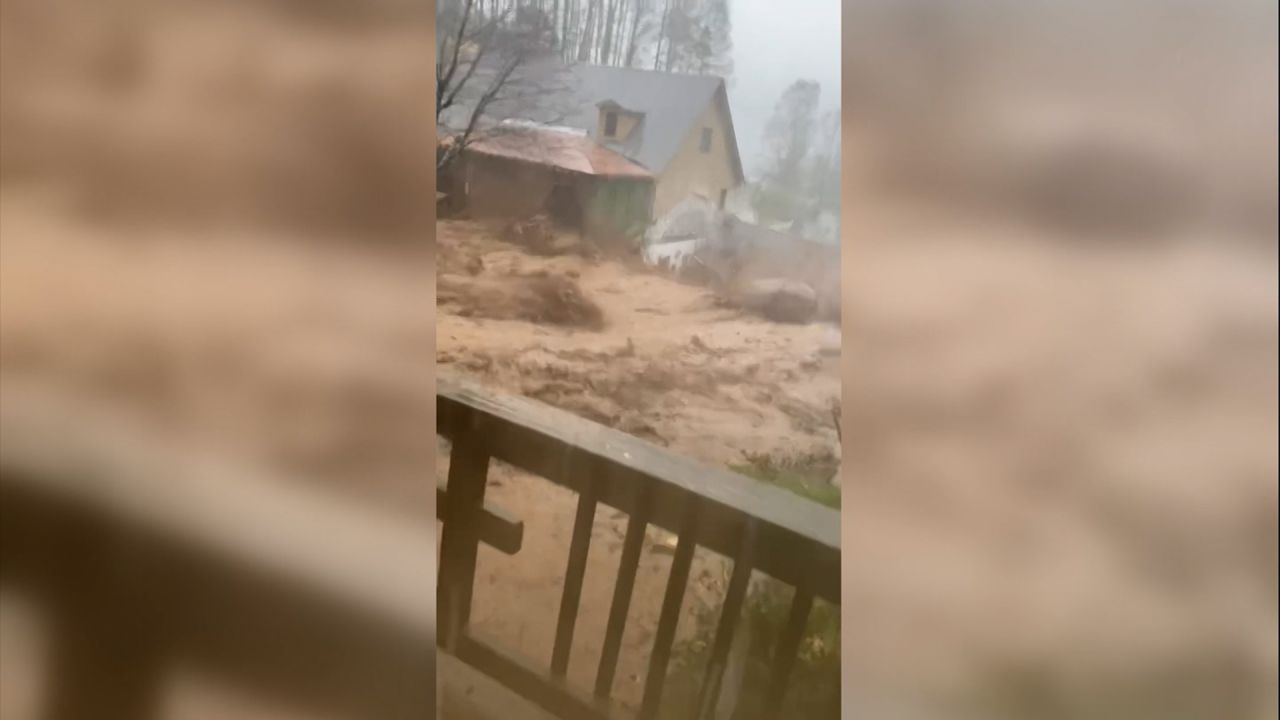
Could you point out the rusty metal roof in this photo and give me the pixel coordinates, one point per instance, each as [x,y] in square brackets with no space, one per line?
[562,150]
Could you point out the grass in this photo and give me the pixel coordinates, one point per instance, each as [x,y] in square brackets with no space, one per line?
[815,679]
[805,474]
[814,687]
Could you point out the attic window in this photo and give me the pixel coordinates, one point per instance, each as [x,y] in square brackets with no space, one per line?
[610,124]
[705,145]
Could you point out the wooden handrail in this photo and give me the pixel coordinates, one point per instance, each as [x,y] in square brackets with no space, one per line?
[756,525]
[799,539]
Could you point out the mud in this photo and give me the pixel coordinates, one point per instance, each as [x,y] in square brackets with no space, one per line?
[673,366]
[544,299]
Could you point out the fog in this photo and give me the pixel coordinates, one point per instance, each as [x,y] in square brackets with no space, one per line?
[773,45]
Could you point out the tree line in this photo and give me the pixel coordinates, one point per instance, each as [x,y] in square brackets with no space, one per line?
[801,169]
[684,36]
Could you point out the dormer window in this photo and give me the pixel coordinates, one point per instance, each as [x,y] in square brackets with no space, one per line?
[616,123]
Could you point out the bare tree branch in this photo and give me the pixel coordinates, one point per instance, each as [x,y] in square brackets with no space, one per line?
[485,40]
[466,137]
[443,82]
[494,72]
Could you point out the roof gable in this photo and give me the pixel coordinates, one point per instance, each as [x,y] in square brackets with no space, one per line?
[671,104]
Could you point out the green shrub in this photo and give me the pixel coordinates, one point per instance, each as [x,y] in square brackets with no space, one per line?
[805,474]
[813,690]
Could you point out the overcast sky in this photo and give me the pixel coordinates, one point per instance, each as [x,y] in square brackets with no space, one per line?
[775,43]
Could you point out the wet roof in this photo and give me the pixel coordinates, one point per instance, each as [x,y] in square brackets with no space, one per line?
[670,104]
[575,153]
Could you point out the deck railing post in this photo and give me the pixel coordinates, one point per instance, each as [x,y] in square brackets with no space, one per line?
[784,656]
[730,612]
[106,625]
[624,584]
[105,662]
[579,547]
[677,582]
[468,471]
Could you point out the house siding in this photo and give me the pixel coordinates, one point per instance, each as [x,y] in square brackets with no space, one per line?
[616,211]
[498,187]
[693,172]
[612,210]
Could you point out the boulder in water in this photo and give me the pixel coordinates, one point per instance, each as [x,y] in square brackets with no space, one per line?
[780,300]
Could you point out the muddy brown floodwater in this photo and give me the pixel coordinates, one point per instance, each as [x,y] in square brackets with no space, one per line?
[671,365]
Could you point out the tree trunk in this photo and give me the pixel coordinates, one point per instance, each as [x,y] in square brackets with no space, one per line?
[571,33]
[557,40]
[606,49]
[619,24]
[662,35]
[584,45]
[599,31]
[623,18]
[634,38]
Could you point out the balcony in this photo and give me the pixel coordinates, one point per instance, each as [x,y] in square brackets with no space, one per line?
[756,526]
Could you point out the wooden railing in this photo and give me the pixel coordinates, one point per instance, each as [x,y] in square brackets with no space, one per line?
[142,559]
[761,528]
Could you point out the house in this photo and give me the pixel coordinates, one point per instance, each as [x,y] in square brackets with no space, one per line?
[518,171]
[677,128]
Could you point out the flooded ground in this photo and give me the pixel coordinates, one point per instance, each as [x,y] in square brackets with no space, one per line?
[1060,489]
[671,364]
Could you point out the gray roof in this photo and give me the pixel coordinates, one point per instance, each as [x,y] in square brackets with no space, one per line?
[670,102]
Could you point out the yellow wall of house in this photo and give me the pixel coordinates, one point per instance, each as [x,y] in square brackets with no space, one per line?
[693,172]
[626,123]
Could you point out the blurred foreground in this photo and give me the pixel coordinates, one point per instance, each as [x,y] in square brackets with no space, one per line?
[214,239]
[1060,383]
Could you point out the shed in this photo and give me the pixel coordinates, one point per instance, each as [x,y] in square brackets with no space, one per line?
[517,171]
